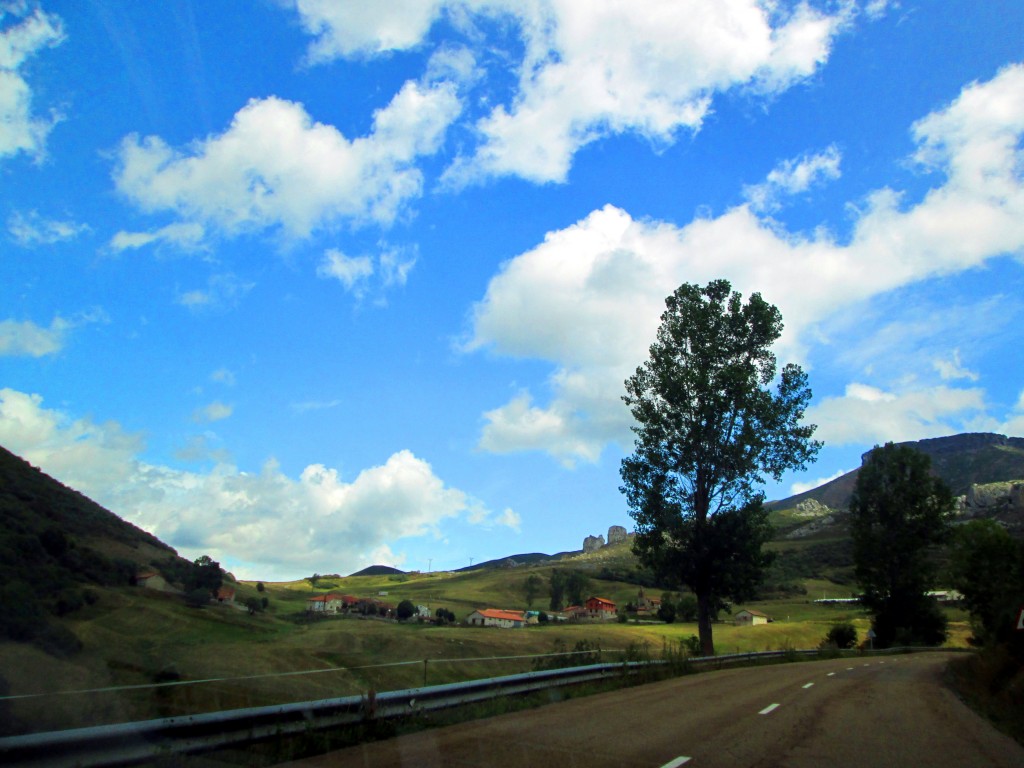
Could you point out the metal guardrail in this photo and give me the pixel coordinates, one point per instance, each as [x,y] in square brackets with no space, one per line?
[127,743]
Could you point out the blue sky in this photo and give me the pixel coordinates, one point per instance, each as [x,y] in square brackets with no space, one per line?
[308,285]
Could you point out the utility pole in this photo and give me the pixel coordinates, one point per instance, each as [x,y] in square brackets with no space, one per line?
[471,562]
[430,562]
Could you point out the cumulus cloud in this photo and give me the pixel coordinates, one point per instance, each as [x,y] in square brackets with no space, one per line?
[31,229]
[589,297]
[329,523]
[590,70]
[344,29]
[792,177]
[22,35]
[275,167]
[866,414]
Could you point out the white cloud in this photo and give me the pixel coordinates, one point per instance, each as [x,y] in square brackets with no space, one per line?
[869,415]
[30,229]
[222,291]
[393,266]
[25,338]
[510,519]
[350,271]
[590,70]
[276,526]
[21,37]
[215,411]
[953,369]
[801,487]
[344,29]
[792,177]
[589,297]
[276,167]
[185,235]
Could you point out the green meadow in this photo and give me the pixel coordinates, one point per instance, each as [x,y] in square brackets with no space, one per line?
[220,657]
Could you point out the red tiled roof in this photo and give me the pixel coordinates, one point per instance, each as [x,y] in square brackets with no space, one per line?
[752,612]
[497,613]
[600,600]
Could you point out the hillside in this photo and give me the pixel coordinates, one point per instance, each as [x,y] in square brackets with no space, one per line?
[55,544]
[960,460]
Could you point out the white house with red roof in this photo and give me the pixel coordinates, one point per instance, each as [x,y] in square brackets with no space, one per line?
[495,617]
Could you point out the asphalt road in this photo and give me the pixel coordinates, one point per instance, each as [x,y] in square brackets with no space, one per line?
[869,712]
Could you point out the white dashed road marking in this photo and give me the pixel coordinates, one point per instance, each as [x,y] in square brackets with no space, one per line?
[769,708]
[808,685]
[676,763]
[831,674]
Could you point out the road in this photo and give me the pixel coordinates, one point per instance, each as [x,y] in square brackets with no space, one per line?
[865,712]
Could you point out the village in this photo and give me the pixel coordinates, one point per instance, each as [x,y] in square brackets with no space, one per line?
[593,609]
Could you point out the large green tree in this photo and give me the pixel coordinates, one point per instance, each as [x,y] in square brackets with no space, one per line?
[709,429]
[899,512]
[987,567]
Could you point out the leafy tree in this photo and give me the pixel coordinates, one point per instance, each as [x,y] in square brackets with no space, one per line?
[204,574]
[260,586]
[567,587]
[406,610]
[444,616]
[708,431]
[667,609]
[532,588]
[254,605]
[899,510]
[987,567]
[576,586]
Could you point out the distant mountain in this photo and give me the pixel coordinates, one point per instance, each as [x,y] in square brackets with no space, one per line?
[529,558]
[960,460]
[378,570]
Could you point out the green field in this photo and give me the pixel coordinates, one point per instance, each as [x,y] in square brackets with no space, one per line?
[134,636]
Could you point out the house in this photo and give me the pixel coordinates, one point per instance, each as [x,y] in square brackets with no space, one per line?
[599,608]
[646,605]
[329,603]
[750,618]
[494,617]
[574,612]
[224,596]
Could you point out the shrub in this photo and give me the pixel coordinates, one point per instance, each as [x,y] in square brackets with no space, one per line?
[406,610]
[841,636]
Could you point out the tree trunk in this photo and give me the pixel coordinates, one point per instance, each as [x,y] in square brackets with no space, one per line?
[707,643]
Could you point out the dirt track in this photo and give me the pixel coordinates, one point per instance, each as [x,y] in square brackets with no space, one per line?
[868,712]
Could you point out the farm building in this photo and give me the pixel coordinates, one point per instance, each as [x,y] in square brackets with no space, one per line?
[494,617]
[600,608]
[750,618]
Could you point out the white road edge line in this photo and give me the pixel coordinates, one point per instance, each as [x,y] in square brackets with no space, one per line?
[676,763]
[808,685]
[769,708]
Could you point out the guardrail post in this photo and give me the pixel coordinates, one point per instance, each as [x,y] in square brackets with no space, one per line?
[424,673]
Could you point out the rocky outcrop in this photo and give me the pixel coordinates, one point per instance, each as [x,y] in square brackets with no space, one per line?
[592,543]
[616,533]
[810,508]
[992,499]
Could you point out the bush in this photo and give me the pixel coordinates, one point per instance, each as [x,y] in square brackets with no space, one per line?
[406,610]
[841,636]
